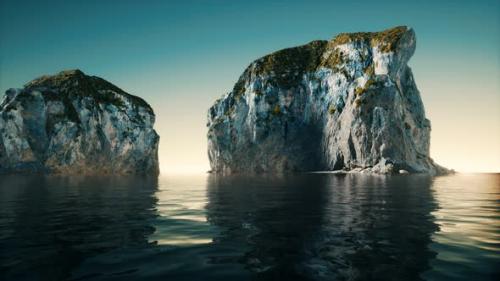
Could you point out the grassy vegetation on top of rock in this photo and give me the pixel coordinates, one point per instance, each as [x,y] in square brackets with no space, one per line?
[288,65]
[387,40]
[284,68]
[75,83]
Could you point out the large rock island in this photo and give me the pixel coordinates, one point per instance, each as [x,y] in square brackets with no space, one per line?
[348,104]
[74,123]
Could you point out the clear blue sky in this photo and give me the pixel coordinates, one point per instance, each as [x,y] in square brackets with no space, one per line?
[181,55]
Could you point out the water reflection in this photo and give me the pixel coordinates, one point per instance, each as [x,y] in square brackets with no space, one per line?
[468,242]
[315,227]
[275,219]
[182,217]
[301,227]
[49,225]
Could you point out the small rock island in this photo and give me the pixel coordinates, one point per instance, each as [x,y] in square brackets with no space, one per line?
[72,123]
[348,104]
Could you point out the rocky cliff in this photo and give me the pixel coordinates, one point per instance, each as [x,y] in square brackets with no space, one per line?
[74,123]
[348,104]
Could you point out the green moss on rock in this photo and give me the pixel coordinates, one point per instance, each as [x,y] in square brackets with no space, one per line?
[344,38]
[369,70]
[72,83]
[286,67]
[359,91]
[358,102]
[387,40]
[239,87]
[332,109]
[276,110]
[334,60]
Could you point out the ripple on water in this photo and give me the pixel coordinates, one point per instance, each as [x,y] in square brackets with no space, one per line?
[302,227]
[468,241]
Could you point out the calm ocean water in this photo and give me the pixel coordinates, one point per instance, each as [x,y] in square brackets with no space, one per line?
[302,227]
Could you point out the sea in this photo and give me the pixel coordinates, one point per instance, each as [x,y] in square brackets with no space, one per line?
[316,226]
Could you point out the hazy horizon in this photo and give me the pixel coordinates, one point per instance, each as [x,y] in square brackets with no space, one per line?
[181,56]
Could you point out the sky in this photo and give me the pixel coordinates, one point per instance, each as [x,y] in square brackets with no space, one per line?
[180,56]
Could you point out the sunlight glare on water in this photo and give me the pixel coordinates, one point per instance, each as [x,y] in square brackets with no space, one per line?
[209,227]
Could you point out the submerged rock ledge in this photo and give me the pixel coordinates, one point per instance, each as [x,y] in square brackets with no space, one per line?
[348,104]
[74,123]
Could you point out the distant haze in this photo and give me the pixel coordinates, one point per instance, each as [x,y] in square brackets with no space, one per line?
[182,55]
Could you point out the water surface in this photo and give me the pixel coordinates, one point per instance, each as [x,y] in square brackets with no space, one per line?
[207,227]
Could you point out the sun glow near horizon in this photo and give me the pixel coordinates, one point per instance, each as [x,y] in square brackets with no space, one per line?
[184,56]
[183,169]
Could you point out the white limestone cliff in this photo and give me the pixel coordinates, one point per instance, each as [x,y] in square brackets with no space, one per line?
[348,104]
[74,123]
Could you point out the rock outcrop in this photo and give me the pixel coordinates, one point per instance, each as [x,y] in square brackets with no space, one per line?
[74,123]
[348,104]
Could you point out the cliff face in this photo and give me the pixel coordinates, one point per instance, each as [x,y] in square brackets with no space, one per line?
[74,123]
[346,104]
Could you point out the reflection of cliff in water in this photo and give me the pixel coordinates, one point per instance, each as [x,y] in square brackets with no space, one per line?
[50,224]
[351,227]
[275,218]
